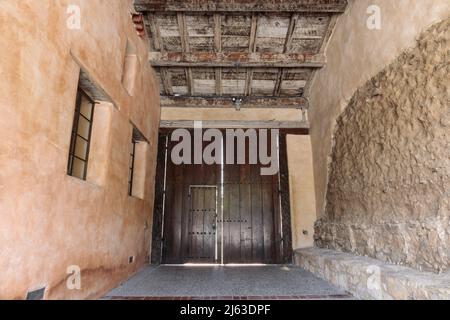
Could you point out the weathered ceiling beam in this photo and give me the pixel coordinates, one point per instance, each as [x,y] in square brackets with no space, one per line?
[279,82]
[218,33]
[190,81]
[182,27]
[251,49]
[253,33]
[232,124]
[290,33]
[155,32]
[218,75]
[287,49]
[166,81]
[236,59]
[306,6]
[227,102]
[248,82]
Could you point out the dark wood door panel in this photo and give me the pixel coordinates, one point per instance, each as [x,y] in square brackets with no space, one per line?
[249,230]
[202,225]
[250,233]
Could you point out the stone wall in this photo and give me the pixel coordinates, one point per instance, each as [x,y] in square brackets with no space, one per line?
[50,221]
[389,186]
[355,54]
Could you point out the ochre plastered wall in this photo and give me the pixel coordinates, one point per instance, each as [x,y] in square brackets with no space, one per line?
[302,196]
[354,55]
[389,186]
[50,221]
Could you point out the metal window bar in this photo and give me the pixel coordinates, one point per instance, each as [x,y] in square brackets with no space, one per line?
[76,135]
[131,172]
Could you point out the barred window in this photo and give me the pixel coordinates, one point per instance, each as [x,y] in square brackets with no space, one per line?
[131,169]
[137,166]
[81,136]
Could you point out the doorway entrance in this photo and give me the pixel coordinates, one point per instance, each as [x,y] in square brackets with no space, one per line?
[220,213]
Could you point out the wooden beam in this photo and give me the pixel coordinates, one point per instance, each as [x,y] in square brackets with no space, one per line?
[166,81]
[248,83]
[232,124]
[190,81]
[217,32]
[182,27]
[290,33]
[218,72]
[236,60]
[218,49]
[306,6]
[253,33]
[279,83]
[227,102]
[287,49]
[155,32]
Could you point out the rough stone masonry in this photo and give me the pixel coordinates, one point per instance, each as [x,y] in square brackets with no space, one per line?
[389,185]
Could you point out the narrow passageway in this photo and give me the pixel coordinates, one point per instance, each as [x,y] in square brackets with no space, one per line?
[226,282]
[218,149]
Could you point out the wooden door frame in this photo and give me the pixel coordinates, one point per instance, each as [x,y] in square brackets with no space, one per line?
[284,191]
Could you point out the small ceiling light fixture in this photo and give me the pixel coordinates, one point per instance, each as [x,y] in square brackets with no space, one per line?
[237,103]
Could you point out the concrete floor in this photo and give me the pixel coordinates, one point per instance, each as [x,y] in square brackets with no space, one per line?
[228,281]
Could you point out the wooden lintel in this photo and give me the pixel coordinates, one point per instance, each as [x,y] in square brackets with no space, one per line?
[232,124]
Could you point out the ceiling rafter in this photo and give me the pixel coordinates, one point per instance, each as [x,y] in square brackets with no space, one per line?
[263,51]
[251,49]
[155,32]
[218,49]
[185,47]
[166,81]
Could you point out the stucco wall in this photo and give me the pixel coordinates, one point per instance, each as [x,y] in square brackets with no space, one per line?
[49,220]
[301,185]
[389,185]
[354,55]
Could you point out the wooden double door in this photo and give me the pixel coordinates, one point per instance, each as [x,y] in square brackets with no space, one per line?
[219,214]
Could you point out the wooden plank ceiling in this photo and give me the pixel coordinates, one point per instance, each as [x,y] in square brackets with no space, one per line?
[262,53]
